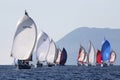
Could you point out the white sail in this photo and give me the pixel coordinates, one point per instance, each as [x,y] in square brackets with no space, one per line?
[85,59]
[52,53]
[42,46]
[58,58]
[91,54]
[81,54]
[112,57]
[24,39]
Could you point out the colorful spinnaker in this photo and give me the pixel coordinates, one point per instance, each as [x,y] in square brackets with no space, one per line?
[98,58]
[112,57]
[63,57]
[81,55]
[85,60]
[105,52]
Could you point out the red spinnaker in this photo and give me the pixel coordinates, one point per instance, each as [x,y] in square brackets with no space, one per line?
[98,57]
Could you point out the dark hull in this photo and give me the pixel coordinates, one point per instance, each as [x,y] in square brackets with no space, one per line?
[39,65]
[50,65]
[60,64]
[24,66]
[79,64]
[90,65]
[98,65]
[105,65]
[111,65]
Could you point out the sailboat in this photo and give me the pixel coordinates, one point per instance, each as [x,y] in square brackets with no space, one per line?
[81,55]
[85,61]
[58,57]
[91,55]
[24,41]
[105,52]
[98,58]
[43,45]
[52,54]
[63,57]
[112,57]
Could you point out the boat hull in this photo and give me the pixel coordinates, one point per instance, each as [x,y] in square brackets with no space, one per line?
[90,65]
[79,64]
[39,65]
[50,64]
[104,65]
[24,66]
[99,65]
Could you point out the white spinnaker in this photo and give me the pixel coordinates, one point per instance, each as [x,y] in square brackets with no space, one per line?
[91,54]
[82,54]
[24,39]
[59,55]
[42,47]
[85,59]
[112,57]
[52,53]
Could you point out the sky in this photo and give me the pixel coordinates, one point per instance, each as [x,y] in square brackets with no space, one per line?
[55,17]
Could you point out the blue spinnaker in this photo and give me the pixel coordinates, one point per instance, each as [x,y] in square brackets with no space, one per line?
[105,51]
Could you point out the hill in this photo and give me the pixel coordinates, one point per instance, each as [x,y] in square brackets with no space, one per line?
[82,36]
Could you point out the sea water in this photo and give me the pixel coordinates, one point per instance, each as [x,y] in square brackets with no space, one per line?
[68,72]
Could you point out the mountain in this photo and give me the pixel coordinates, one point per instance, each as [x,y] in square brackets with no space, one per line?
[83,35]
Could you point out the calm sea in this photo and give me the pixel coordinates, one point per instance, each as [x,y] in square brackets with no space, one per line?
[68,72]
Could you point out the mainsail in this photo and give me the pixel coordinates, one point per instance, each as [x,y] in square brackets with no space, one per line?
[91,54]
[24,39]
[52,53]
[43,45]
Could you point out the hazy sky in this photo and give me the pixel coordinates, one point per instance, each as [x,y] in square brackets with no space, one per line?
[55,17]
